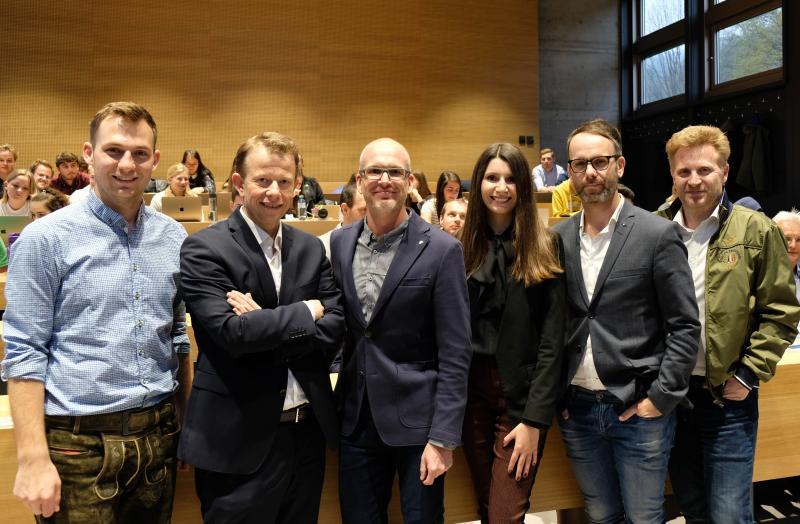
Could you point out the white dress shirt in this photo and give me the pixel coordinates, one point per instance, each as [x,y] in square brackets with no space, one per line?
[295,396]
[593,252]
[696,241]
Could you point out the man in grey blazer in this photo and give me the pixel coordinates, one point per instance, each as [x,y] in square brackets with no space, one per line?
[631,340]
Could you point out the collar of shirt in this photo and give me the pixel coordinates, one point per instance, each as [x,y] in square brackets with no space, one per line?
[686,233]
[611,223]
[387,239]
[109,216]
[269,245]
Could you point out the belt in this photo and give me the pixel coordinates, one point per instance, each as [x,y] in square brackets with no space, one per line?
[596,396]
[295,415]
[128,422]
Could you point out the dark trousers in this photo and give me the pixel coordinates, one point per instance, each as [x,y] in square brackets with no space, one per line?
[286,488]
[711,466]
[116,467]
[501,498]
[367,468]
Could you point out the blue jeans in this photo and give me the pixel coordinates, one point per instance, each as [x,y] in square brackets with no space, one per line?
[621,467]
[367,468]
[712,464]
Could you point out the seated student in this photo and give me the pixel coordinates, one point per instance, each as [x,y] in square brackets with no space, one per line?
[565,201]
[453,215]
[418,192]
[352,208]
[82,194]
[42,173]
[626,192]
[19,187]
[69,177]
[312,191]
[547,175]
[448,187]
[201,180]
[46,201]
[178,185]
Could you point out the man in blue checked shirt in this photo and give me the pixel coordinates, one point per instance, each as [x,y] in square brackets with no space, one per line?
[96,346]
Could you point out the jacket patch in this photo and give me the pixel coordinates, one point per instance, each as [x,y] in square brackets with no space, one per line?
[728,257]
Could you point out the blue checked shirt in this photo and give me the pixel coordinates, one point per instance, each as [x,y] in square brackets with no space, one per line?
[94,310]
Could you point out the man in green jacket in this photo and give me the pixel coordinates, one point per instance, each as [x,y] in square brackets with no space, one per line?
[748,313]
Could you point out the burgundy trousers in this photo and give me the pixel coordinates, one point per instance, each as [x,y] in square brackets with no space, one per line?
[501,499]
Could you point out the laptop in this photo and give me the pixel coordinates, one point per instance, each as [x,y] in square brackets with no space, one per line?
[183,209]
[9,224]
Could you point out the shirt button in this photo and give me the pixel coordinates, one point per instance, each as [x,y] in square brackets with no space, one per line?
[136,295]
[369,278]
[141,352]
[139,323]
[136,267]
[145,380]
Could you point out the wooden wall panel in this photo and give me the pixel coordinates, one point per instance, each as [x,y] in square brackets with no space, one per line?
[444,78]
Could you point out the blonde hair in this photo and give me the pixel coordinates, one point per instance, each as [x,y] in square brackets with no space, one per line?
[175,170]
[546,151]
[696,136]
[273,142]
[16,174]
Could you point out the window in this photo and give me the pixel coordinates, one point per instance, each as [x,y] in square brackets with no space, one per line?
[664,75]
[657,14]
[752,46]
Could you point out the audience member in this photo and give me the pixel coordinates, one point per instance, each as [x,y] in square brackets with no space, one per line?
[69,178]
[262,407]
[418,191]
[789,222]
[156,185]
[407,350]
[448,187]
[565,201]
[750,203]
[82,195]
[8,161]
[547,175]
[46,201]
[515,281]
[96,346]
[312,191]
[748,312]
[42,172]
[201,180]
[453,215]
[632,335]
[178,185]
[18,188]
[352,208]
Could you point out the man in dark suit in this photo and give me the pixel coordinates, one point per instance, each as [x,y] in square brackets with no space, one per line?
[632,337]
[403,384]
[262,407]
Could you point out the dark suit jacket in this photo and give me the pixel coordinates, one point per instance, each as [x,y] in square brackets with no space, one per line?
[413,355]
[529,346]
[643,316]
[240,381]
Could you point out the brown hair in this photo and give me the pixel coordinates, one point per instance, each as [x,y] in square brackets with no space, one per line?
[445,178]
[130,111]
[535,259]
[600,127]
[44,163]
[546,151]
[53,198]
[694,136]
[66,158]
[274,143]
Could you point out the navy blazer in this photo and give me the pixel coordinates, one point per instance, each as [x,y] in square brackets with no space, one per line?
[413,356]
[643,315]
[240,382]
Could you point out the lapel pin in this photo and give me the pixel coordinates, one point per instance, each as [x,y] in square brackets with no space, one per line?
[421,241]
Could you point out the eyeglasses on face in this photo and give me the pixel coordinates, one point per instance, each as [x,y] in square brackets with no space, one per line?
[376,173]
[599,163]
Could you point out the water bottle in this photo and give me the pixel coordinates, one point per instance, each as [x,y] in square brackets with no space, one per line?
[212,207]
[301,207]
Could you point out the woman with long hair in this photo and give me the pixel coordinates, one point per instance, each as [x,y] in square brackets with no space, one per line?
[46,201]
[518,316]
[448,188]
[16,201]
[201,180]
[418,191]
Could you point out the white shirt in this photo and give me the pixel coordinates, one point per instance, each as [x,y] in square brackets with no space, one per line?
[593,252]
[696,242]
[7,211]
[295,396]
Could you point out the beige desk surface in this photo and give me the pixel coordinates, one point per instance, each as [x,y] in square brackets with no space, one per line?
[777,456]
[314,227]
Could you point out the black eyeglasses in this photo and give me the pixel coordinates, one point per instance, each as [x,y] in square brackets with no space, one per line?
[599,163]
[376,173]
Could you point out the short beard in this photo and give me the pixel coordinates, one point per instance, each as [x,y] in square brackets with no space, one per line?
[605,195]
